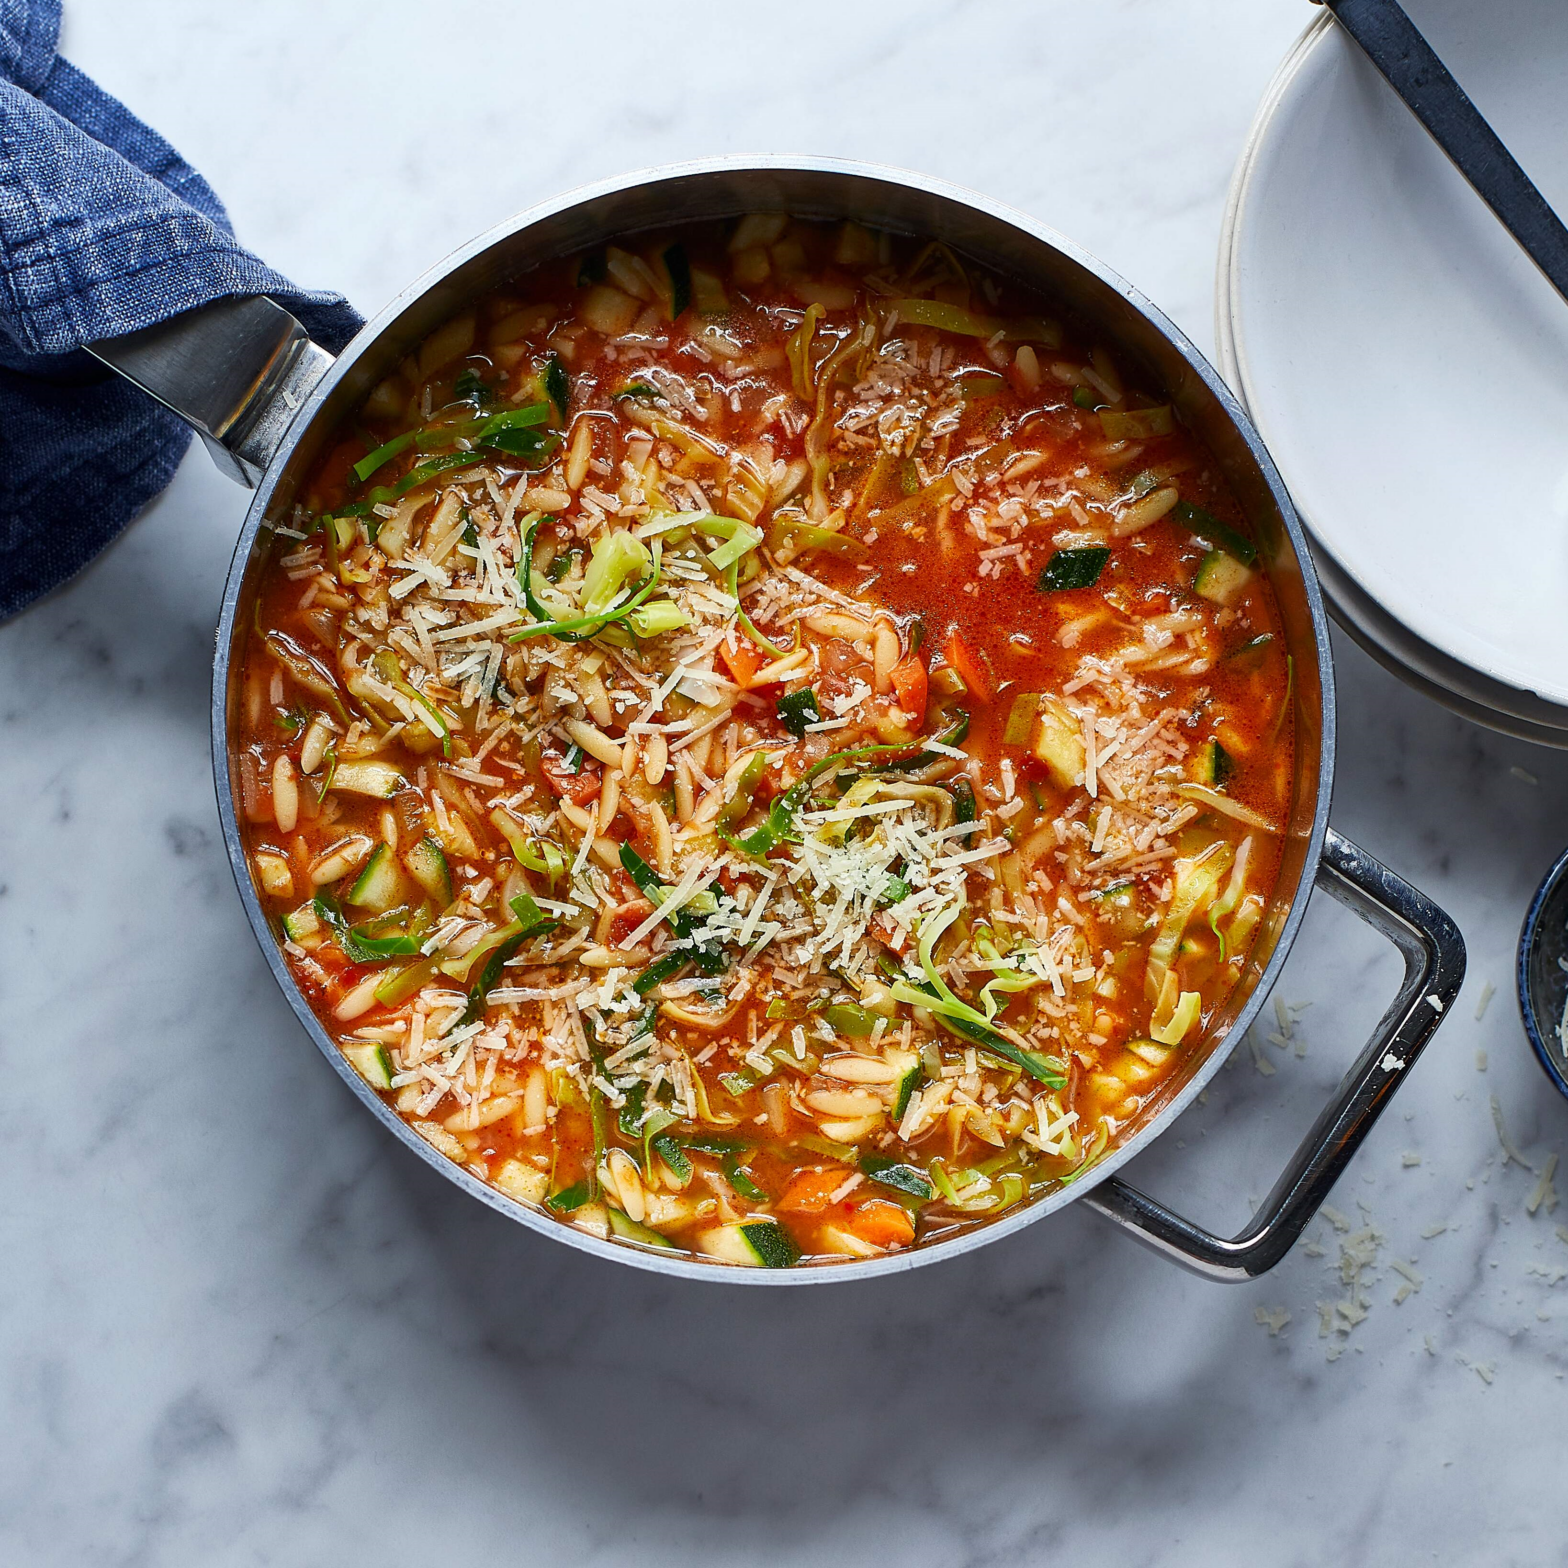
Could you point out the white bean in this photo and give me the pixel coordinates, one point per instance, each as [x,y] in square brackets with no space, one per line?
[663,841]
[655,759]
[885,652]
[285,794]
[594,741]
[360,1000]
[579,454]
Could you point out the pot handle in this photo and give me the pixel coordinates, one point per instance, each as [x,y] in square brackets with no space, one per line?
[238,370]
[1434,953]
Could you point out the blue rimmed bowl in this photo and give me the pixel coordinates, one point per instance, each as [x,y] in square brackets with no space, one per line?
[1542,972]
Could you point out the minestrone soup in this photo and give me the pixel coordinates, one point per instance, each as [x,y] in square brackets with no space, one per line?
[759,741]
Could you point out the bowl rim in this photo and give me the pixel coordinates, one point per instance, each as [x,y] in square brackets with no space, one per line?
[1529,938]
[682,1264]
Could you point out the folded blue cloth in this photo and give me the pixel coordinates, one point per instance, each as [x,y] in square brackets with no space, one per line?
[104,228]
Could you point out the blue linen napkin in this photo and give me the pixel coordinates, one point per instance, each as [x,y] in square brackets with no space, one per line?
[104,229]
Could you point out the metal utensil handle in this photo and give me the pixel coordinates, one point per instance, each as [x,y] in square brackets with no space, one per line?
[237,369]
[1392,42]
[1434,953]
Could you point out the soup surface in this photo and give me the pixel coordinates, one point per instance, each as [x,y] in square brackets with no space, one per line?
[759,743]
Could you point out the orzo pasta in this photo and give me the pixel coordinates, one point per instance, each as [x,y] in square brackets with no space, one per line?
[759,742]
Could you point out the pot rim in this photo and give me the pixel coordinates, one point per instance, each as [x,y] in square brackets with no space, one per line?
[682,1265]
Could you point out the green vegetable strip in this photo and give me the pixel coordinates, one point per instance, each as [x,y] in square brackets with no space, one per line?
[514,419]
[630,1118]
[711,1143]
[1020,719]
[382,455]
[387,668]
[469,388]
[1208,527]
[577,628]
[780,823]
[797,709]
[727,558]
[742,540]
[1043,1068]
[850,1018]
[963,799]
[436,465]
[709,958]
[356,945]
[673,1155]
[741,1181]
[646,878]
[952,736]
[531,921]
[679,269]
[732,583]
[569,1198]
[963,1019]
[953,318]
[659,971]
[745,787]
[556,385]
[1069,569]
[897,1175]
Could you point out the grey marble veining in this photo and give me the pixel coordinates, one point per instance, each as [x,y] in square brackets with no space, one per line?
[239,1326]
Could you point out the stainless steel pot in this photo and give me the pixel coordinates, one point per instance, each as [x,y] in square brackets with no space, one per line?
[266,399]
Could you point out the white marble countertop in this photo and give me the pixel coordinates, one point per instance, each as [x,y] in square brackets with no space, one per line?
[239,1325]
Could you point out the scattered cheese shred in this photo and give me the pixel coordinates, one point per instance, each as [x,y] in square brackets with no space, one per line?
[1509,1151]
[1544,1192]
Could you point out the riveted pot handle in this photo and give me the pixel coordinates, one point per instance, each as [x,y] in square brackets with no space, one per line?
[1434,954]
[236,369]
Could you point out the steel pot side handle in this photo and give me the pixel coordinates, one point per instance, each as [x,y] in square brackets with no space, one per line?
[238,370]
[1434,953]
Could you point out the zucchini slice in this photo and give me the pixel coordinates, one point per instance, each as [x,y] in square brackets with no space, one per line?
[628,1229]
[517,1179]
[426,863]
[303,926]
[381,885]
[378,779]
[1058,743]
[398,985]
[752,1244]
[1221,579]
[371,1062]
[1212,765]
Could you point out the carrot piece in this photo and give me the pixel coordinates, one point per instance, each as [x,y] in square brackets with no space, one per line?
[743,659]
[968,665]
[882,1224]
[809,1191]
[910,685]
[579,787]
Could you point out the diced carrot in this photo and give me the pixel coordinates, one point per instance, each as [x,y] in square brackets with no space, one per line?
[742,658]
[809,1191]
[579,787]
[968,665]
[910,685]
[882,1224]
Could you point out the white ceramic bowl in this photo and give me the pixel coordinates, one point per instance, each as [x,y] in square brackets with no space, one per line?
[1406,364]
